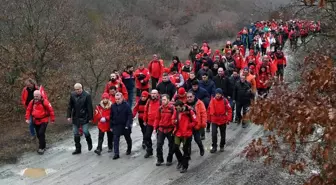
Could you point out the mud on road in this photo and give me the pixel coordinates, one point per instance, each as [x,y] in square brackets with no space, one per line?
[58,166]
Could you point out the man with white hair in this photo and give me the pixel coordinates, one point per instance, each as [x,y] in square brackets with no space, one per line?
[121,120]
[40,110]
[80,113]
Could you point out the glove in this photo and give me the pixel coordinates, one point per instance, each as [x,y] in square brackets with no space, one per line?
[103,119]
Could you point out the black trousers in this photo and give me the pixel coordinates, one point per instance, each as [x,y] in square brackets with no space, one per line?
[197,138]
[143,128]
[222,131]
[183,159]
[148,139]
[263,50]
[239,107]
[40,133]
[101,139]
[116,140]
[160,142]
[154,82]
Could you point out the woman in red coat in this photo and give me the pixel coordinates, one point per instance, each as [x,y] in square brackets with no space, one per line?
[102,117]
[139,109]
[219,114]
[40,110]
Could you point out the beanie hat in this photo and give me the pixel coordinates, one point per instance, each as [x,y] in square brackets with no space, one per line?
[105,96]
[144,94]
[219,91]
[181,91]
[187,62]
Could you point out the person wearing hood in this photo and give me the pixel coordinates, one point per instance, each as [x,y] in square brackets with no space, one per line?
[207,84]
[176,63]
[178,80]
[242,96]
[180,95]
[128,79]
[186,69]
[121,122]
[205,70]
[151,108]
[219,114]
[102,118]
[142,77]
[187,84]
[166,86]
[139,109]
[155,68]
[201,115]
[118,84]
[193,52]
[40,110]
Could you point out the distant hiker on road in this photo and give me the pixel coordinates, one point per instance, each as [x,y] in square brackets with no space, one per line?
[155,68]
[40,110]
[121,122]
[80,113]
[139,109]
[102,117]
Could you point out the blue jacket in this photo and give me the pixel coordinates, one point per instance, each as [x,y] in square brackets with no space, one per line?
[128,80]
[121,116]
[244,38]
[250,37]
[202,95]
[209,86]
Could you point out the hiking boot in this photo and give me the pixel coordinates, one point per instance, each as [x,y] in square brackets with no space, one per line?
[221,149]
[97,151]
[109,150]
[78,146]
[213,150]
[147,155]
[40,151]
[128,152]
[208,130]
[115,157]
[169,163]
[158,163]
[202,137]
[201,151]
[179,166]
[89,142]
[76,152]
[183,170]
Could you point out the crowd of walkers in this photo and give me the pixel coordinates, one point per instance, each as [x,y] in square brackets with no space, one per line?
[178,102]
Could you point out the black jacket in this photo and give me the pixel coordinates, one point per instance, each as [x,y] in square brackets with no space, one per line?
[80,108]
[120,117]
[232,84]
[223,83]
[242,92]
[166,88]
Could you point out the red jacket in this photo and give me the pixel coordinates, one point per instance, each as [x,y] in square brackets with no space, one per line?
[163,120]
[156,68]
[219,111]
[240,63]
[280,61]
[40,112]
[120,88]
[24,96]
[251,60]
[184,122]
[139,108]
[146,74]
[178,97]
[186,72]
[151,109]
[100,112]
[262,80]
[112,98]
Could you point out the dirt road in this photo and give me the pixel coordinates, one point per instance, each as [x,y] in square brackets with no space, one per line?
[60,167]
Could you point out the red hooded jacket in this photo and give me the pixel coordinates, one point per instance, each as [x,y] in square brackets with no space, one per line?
[41,111]
[151,108]
[219,111]
[163,120]
[138,84]
[156,68]
[100,112]
[139,108]
[120,87]
[184,122]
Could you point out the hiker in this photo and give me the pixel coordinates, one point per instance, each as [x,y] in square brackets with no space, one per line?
[166,86]
[139,109]
[185,120]
[151,109]
[220,114]
[40,110]
[128,79]
[102,118]
[155,68]
[164,126]
[141,80]
[80,113]
[242,96]
[27,96]
[114,81]
[121,122]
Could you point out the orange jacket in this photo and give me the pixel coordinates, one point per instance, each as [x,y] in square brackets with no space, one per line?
[201,115]
[251,79]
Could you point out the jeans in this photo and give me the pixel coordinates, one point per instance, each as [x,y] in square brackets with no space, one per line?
[40,132]
[130,97]
[75,130]
[197,138]
[31,126]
